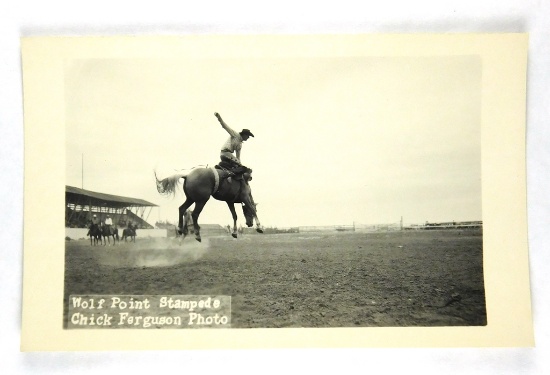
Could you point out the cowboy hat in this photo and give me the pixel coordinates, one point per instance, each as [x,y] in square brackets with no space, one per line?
[247,132]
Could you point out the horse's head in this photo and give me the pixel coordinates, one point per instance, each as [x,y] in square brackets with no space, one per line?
[249,213]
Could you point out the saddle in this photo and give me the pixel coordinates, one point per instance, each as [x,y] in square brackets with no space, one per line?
[235,170]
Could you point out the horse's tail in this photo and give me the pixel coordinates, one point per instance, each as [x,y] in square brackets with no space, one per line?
[168,185]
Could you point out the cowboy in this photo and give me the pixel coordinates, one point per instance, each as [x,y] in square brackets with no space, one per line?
[94,224]
[95,220]
[233,144]
[108,224]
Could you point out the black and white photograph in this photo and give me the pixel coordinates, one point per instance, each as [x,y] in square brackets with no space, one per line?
[274,187]
[267,191]
[326,192]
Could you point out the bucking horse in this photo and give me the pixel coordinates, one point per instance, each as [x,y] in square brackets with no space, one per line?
[201,183]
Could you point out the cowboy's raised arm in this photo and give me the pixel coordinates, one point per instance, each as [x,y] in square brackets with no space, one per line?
[231,132]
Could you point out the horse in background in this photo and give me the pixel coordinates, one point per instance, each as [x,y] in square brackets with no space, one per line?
[202,183]
[94,232]
[107,233]
[129,232]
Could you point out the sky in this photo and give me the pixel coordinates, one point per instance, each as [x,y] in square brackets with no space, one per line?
[337,140]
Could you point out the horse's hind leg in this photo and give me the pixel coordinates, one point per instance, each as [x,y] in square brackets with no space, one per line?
[182,227]
[195,215]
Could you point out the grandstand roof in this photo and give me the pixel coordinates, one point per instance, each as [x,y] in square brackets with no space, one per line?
[76,195]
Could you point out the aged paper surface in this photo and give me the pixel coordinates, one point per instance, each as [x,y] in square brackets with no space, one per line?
[46,61]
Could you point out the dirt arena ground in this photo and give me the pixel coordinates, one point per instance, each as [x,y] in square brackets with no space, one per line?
[409,278]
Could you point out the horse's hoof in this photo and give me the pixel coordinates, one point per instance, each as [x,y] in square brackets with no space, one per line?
[234,235]
[198,239]
[259,230]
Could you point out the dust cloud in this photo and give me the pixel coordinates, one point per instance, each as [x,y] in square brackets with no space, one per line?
[153,252]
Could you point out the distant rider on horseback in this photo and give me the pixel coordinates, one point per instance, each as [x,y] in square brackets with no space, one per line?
[109,224]
[233,145]
[94,225]
[95,220]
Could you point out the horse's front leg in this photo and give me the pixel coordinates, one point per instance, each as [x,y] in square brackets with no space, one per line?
[259,227]
[234,215]
[250,202]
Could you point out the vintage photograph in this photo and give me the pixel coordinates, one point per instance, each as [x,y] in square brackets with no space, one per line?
[296,191]
[203,192]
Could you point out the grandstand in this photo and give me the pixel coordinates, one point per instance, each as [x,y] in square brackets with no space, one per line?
[81,204]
